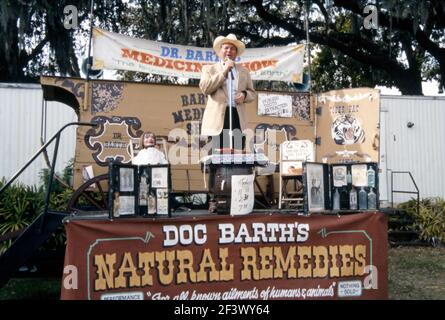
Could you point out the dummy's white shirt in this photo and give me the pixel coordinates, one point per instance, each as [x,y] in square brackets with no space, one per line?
[149,156]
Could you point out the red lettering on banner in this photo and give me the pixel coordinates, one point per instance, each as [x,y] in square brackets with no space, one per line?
[188,66]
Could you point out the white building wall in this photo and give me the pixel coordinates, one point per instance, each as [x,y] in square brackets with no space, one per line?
[20,131]
[419,149]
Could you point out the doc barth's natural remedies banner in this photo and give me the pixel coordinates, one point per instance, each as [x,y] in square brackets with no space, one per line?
[249,257]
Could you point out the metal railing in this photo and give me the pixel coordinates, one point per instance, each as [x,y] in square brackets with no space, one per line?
[403,191]
[56,137]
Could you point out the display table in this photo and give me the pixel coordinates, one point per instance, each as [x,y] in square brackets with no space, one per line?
[263,255]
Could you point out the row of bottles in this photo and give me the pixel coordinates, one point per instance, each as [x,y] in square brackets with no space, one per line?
[343,199]
[354,187]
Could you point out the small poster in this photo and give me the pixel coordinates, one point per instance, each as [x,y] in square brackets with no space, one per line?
[126,205]
[359,175]
[297,150]
[151,203]
[242,194]
[126,180]
[315,186]
[275,105]
[162,201]
[159,177]
[339,176]
[291,168]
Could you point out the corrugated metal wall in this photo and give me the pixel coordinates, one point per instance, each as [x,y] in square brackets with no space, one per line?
[20,131]
[419,149]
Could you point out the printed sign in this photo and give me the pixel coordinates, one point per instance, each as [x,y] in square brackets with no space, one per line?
[348,125]
[297,150]
[276,105]
[242,194]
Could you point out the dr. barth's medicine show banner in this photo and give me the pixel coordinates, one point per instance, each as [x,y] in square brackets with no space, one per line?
[120,52]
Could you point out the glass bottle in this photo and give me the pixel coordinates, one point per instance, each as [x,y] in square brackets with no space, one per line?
[336,205]
[116,212]
[353,199]
[143,193]
[349,176]
[362,199]
[371,177]
[372,200]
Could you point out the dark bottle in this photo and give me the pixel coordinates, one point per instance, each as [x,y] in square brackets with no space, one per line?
[344,199]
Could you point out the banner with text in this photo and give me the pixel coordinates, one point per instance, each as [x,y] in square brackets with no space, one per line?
[258,256]
[115,51]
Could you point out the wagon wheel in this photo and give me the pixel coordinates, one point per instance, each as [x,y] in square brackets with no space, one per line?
[86,198]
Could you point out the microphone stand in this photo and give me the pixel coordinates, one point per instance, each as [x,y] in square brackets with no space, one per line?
[231,78]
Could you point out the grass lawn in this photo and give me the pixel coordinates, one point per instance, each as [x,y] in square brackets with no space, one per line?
[414,273]
[31,288]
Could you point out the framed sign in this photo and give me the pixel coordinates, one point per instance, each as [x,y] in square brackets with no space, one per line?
[275,105]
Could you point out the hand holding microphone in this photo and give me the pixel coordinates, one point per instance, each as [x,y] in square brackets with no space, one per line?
[228,65]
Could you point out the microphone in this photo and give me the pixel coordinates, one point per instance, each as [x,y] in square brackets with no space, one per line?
[231,73]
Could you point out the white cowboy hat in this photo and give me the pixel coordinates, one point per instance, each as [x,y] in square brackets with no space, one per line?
[231,38]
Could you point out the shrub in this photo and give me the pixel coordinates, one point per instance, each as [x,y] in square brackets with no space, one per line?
[430,220]
[21,204]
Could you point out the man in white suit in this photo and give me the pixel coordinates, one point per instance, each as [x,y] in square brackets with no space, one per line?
[215,84]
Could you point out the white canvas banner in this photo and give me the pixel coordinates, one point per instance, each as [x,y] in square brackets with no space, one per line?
[119,52]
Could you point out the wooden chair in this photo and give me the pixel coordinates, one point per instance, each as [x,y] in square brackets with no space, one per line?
[270,148]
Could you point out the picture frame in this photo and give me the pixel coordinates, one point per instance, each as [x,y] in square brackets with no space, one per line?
[339,175]
[162,201]
[159,177]
[126,179]
[359,175]
[127,205]
[316,184]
